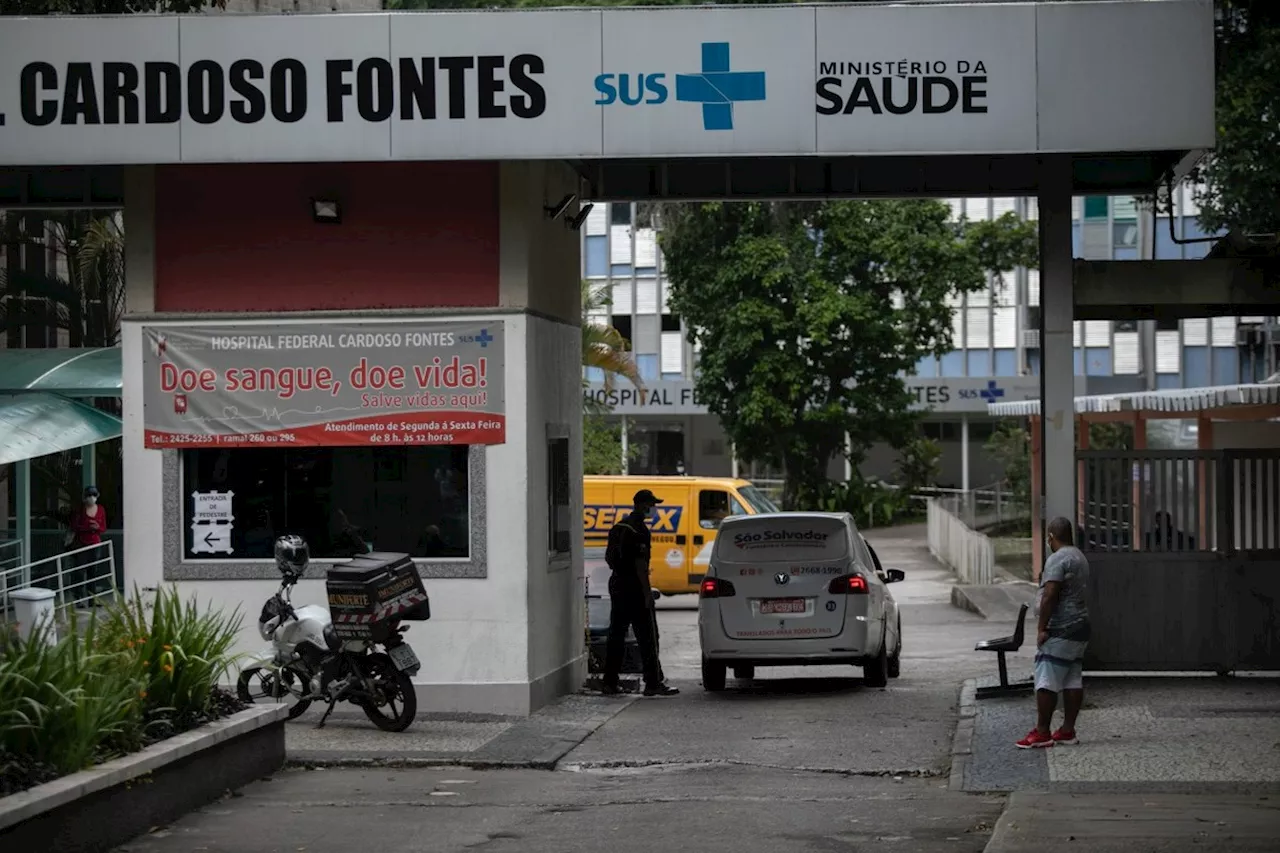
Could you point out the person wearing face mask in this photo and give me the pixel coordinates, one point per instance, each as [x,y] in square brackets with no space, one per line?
[631,602]
[88,523]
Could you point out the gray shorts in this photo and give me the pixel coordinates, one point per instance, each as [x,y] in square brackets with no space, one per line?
[1060,665]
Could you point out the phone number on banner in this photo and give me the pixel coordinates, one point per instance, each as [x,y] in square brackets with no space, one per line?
[202,439]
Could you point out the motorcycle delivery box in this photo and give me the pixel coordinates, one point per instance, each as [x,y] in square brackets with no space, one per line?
[368,594]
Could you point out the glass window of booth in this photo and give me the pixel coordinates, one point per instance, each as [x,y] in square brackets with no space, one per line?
[343,500]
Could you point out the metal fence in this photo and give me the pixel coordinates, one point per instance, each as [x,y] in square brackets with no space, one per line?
[955,544]
[78,578]
[1180,500]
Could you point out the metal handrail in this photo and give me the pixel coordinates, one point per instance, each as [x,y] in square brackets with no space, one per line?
[10,553]
[79,576]
[963,549]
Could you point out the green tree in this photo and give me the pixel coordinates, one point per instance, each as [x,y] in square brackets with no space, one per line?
[1010,446]
[808,316]
[918,464]
[104,7]
[604,347]
[1243,175]
[602,446]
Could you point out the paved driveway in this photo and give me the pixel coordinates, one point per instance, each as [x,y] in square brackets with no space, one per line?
[813,717]
[800,760]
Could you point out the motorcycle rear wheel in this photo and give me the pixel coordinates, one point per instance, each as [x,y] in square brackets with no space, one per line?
[273,688]
[397,693]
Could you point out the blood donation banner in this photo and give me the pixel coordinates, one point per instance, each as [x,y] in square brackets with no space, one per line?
[324,384]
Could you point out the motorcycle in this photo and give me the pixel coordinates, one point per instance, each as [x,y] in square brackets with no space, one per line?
[308,662]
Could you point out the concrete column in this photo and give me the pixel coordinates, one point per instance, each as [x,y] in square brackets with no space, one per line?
[626,456]
[733,460]
[22,493]
[1057,368]
[89,465]
[964,452]
[140,245]
[1037,503]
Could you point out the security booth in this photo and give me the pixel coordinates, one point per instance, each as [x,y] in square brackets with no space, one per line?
[353,278]
[50,433]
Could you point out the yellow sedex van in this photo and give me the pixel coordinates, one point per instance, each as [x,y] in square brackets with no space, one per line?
[685,524]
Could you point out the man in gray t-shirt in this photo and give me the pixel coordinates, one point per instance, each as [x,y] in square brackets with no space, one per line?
[1062,636]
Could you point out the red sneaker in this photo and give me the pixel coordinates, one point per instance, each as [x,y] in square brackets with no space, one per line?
[1035,740]
[1065,737]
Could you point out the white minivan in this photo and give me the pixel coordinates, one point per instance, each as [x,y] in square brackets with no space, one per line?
[796,588]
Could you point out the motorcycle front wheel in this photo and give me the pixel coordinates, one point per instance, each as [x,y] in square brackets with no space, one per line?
[397,703]
[266,684]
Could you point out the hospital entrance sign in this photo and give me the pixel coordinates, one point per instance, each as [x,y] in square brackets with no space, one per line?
[592,83]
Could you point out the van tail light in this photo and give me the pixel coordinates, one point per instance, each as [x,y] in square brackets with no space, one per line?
[848,585]
[716,588]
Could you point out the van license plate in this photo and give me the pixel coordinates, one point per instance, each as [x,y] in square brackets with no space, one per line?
[403,657]
[782,605]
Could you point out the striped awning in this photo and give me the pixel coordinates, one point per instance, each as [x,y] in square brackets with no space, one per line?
[1177,400]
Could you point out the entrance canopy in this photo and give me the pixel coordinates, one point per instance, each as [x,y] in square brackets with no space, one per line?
[35,425]
[38,412]
[935,99]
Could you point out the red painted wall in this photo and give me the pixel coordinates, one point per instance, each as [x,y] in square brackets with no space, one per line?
[241,237]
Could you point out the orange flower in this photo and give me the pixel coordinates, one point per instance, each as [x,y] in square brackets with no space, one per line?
[167,668]
[168,648]
[142,694]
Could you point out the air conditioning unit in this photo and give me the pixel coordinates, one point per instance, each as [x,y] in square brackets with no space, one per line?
[1031,339]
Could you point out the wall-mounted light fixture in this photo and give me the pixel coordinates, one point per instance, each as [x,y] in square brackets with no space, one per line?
[575,222]
[555,211]
[326,210]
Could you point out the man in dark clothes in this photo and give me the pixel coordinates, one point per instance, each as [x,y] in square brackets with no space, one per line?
[631,602]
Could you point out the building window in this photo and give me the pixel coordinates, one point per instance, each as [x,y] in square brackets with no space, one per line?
[940,430]
[559,531]
[715,506]
[342,500]
[619,214]
[647,366]
[597,256]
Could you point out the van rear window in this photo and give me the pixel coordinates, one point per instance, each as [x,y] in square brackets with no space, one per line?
[783,539]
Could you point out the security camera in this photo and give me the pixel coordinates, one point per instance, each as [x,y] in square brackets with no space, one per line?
[558,209]
[576,222]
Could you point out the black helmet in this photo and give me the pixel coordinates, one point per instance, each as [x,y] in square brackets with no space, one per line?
[292,555]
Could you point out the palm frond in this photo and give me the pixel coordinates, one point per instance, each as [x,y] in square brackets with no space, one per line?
[89,303]
[603,346]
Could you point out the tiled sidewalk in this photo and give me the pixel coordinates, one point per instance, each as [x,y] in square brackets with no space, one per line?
[1136,733]
[474,740]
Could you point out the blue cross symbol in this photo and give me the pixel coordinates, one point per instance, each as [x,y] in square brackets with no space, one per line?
[992,392]
[483,338]
[717,88]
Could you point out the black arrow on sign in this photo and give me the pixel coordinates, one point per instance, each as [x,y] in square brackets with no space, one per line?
[208,539]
